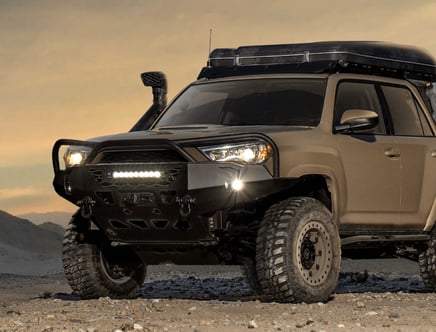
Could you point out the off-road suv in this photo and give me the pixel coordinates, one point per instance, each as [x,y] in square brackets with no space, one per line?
[276,158]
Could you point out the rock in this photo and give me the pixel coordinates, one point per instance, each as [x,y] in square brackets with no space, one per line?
[252,324]
[360,304]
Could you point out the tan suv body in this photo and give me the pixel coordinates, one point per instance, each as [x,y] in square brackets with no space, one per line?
[281,158]
[376,178]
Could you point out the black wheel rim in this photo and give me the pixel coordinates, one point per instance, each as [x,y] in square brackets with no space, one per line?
[113,272]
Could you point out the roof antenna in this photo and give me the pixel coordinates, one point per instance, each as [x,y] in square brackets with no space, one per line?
[210,47]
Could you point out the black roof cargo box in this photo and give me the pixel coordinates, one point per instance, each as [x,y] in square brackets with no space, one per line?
[341,56]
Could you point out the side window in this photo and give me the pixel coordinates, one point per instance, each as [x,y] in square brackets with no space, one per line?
[425,125]
[358,95]
[403,110]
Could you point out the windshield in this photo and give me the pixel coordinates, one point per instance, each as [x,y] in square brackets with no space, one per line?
[266,101]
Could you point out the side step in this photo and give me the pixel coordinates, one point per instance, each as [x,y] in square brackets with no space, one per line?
[384,238]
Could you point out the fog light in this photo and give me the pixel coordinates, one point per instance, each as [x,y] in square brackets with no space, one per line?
[237,185]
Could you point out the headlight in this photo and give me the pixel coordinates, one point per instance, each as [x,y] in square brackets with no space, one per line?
[76,155]
[246,153]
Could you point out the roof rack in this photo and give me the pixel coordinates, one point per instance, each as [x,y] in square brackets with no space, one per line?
[334,56]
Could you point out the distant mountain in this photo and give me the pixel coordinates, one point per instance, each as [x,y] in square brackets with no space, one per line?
[24,235]
[55,228]
[59,218]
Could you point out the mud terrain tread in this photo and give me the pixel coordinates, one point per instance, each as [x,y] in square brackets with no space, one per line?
[427,263]
[276,277]
[82,268]
[265,245]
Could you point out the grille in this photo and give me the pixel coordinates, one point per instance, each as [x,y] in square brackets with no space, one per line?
[150,156]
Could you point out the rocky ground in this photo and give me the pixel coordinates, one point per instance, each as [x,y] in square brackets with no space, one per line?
[177,299]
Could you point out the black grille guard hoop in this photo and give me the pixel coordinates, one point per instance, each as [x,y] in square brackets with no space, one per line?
[115,145]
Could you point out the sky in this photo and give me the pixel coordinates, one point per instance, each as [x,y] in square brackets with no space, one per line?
[71,69]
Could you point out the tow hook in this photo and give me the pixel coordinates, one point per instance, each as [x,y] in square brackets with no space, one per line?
[86,205]
[185,204]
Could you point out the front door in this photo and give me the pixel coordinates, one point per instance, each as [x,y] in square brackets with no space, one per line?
[370,160]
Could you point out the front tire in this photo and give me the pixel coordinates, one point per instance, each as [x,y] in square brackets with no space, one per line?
[94,269]
[298,252]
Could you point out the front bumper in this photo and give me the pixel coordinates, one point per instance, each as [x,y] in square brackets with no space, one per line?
[186,204]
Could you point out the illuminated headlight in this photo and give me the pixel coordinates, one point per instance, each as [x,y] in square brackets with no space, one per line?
[76,155]
[245,153]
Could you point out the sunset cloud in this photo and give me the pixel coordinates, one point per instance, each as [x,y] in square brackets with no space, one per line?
[11,193]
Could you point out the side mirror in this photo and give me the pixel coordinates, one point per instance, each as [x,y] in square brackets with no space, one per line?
[158,82]
[356,120]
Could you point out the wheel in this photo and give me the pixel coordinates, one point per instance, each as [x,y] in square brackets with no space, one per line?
[94,269]
[427,263]
[298,251]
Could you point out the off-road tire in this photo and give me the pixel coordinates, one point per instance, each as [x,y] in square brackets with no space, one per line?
[298,251]
[250,275]
[427,263]
[86,266]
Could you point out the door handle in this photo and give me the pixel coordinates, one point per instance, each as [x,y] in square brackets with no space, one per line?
[433,154]
[393,154]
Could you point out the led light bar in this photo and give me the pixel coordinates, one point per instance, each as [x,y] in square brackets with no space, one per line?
[136,175]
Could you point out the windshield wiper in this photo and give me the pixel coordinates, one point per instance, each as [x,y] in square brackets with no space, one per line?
[188,127]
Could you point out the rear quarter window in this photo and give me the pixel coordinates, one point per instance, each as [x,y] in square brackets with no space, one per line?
[404,111]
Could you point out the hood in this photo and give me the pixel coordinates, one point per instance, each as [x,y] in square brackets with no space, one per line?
[180,133]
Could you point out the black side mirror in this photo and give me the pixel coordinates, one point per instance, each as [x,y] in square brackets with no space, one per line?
[356,120]
[158,82]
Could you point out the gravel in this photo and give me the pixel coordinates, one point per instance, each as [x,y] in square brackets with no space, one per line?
[182,299]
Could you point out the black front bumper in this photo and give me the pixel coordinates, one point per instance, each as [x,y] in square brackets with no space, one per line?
[187,204]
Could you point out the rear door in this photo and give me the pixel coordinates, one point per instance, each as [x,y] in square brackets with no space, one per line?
[417,144]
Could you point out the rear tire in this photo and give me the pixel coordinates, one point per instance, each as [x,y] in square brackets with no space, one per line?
[298,253]
[249,272]
[427,263]
[94,269]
